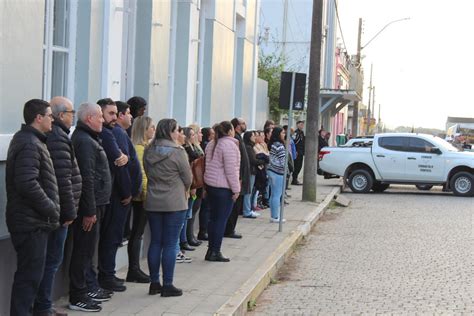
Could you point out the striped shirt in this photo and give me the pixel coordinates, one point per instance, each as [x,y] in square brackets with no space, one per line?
[277,158]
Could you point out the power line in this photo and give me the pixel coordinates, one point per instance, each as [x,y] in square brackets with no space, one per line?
[340,28]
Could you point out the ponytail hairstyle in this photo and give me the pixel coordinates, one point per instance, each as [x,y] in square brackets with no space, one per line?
[275,138]
[222,129]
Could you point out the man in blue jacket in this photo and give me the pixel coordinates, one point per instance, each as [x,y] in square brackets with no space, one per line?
[127,184]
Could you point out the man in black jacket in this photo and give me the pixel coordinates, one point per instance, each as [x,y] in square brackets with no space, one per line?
[32,202]
[299,143]
[240,127]
[96,190]
[69,184]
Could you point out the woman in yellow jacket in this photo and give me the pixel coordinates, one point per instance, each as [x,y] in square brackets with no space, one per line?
[143,131]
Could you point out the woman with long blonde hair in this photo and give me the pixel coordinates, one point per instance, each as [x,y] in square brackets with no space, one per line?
[143,130]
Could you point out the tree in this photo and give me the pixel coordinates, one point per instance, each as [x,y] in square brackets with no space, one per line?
[269,69]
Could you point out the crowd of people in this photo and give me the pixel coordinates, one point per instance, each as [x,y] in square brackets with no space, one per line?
[119,170]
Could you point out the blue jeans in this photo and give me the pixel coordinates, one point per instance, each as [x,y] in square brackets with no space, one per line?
[276,185]
[247,210]
[189,214]
[54,257]
[220,207]
[165,228]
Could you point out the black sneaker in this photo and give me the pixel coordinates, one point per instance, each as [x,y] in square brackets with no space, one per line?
[84,305]
[99,296]
[107,292]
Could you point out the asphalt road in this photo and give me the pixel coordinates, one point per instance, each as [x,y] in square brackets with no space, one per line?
[401,252]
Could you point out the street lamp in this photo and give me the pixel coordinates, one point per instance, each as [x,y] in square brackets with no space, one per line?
[359,60]
[381,30]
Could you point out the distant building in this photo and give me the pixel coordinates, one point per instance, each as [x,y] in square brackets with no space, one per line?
[285,28]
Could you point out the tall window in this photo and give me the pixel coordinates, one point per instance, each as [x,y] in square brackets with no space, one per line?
[57,49]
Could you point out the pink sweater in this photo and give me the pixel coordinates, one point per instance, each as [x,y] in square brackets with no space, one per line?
[223,166]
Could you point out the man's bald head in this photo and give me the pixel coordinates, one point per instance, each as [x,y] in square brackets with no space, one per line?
[62,109]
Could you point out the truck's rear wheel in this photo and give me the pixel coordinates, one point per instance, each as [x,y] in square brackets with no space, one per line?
[360,181]
[462,184]
[380,187]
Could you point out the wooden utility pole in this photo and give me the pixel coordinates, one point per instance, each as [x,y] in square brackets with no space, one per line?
[355,111]
[312,113]
[369,106]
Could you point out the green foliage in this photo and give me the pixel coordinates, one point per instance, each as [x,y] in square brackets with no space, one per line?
[269,69]
[251,305]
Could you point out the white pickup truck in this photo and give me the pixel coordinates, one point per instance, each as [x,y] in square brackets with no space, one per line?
[403,158]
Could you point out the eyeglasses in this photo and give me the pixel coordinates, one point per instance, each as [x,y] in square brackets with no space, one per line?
[70,111]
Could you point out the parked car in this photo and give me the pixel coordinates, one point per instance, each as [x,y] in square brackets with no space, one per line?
[402,158]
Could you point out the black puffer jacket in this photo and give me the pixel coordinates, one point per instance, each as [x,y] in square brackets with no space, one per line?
[95,172]
[32,191]
[66,169]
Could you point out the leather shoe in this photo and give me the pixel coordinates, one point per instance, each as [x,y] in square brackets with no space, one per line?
[296,183]
[137,276]
[113,285]
[194,242]
[170,290]
[155,288]
[203,236]
[216,256]
[186,246]
[233,235]
[208,254]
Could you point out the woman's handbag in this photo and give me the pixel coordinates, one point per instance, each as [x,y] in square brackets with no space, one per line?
[197,167]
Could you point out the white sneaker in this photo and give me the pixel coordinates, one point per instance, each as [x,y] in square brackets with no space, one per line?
[276,220]
[253,213]
[180,258]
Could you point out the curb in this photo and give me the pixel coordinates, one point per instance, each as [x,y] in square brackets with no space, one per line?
[256,284]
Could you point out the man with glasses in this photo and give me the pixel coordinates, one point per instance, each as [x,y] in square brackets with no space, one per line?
[69,181]
[32,202]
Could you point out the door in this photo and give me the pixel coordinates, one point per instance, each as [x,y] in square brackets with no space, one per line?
[390,157]
[422,163]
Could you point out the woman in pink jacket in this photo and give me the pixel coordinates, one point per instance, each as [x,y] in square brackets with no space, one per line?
[221,176]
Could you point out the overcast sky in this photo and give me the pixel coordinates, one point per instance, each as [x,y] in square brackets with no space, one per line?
[422,68]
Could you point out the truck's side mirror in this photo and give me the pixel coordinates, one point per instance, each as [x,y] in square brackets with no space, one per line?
[436,150]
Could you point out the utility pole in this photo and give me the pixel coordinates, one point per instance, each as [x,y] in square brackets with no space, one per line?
[313,114]
[355,110]
[285,26]
[369,106]
[379,124]
[373,104]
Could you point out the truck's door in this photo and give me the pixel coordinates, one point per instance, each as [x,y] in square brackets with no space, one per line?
[423,164]
[390,156]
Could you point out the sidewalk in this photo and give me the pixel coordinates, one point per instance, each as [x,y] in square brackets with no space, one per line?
[225,288]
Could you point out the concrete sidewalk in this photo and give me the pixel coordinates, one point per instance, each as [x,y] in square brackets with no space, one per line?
[226,288]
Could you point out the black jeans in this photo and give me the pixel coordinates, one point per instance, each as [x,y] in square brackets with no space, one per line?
[82,252]
[220,202]
[135,242]
[298,166]
[234,215]
[30,250]
[111,234]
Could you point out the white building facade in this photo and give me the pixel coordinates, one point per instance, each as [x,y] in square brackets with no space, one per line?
[193,60]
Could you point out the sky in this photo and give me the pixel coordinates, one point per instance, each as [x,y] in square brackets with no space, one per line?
[422,68]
